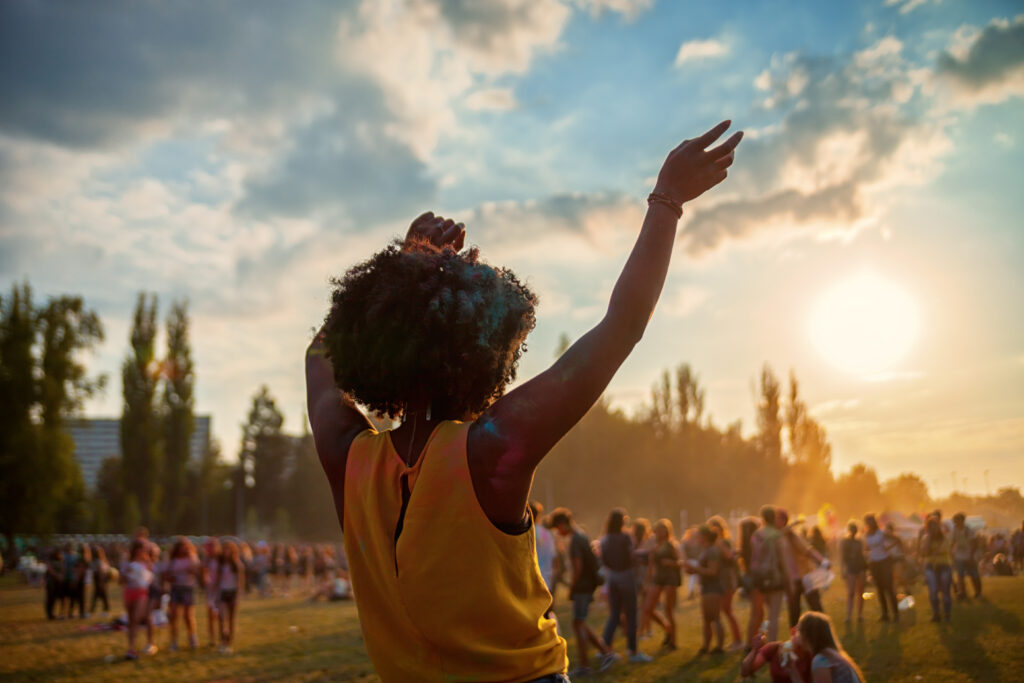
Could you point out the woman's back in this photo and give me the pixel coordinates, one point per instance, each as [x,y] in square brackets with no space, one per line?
[842,671]
[429,569]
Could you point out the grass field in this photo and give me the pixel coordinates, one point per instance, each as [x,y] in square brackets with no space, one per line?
[282,639]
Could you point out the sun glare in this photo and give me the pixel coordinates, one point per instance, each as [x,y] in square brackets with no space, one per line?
[864,325]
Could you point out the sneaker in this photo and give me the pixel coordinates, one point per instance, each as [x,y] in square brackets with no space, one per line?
[131,655]
[736,646]
[609,659]
[640,658]
[150,649]
[193,644]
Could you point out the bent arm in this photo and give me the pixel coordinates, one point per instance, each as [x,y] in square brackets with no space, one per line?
[333,418]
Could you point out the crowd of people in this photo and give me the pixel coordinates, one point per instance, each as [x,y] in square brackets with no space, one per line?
[638,568]
[162,583]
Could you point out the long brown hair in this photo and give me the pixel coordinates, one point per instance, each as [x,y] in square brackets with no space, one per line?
[231,556]
[817,634]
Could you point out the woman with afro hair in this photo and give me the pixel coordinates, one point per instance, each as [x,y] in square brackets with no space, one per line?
[434,512]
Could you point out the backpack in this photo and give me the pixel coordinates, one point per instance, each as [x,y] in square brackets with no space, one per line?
[766,572]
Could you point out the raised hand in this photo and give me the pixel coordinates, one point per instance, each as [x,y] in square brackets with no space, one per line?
[692,169]
[437,230]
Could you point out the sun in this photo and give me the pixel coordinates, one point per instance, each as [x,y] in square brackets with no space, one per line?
[864,325]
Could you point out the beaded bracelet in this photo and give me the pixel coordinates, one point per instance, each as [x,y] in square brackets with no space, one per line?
[676,207]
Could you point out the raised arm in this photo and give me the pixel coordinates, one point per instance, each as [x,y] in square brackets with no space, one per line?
[514,434]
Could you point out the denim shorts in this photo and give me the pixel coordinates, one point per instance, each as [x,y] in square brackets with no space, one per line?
[581,605]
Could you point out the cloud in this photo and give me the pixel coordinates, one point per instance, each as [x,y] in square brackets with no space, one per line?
[847,129]
[492,99]
[699,50]
[684,301]
[905,6]
[629,9]
[986,66]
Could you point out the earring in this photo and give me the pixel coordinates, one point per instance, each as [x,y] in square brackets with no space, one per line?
[429,406]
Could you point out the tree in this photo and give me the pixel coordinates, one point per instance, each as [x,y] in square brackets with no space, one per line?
[42,383]
[22,481]
[142,465]
[264,455]
[66,327]
[768,422]
[178,418]
[907,493]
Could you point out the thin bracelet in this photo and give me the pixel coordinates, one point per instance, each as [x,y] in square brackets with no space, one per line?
[660,198]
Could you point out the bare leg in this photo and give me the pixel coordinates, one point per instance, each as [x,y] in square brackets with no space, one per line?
[734,626]
[774,600]
[172,617]
[670,614]
[756,615]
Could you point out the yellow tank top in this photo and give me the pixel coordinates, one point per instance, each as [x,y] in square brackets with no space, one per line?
[454,598]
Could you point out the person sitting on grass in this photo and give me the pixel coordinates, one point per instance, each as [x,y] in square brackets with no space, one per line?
[335,587]
[777,655]
[829,663]
[434,512]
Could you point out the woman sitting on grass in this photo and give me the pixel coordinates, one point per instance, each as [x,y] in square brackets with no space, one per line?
[829,663]
[434,513]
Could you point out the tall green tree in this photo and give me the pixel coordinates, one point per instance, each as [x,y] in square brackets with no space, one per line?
[264,455]
[177,412]
[142,462]
[42,383]
[22,479]
[66,327]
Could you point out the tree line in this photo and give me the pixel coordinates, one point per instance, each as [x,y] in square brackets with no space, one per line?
[669,459]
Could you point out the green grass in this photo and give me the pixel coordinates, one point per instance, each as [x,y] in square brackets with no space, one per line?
[292,639]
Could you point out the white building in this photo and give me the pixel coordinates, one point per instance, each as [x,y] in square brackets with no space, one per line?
[97,439]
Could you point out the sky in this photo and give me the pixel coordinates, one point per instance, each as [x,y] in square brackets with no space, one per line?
[240,154]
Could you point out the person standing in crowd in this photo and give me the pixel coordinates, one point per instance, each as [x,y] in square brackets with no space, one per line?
[690,548]
[880,566]
[829,661]
[665,581]
[68,581]
[777,655]
[1017,548]
[800,560]
[747,527]
[83,579]
[729,576]
[708,567]
[964,546]
[770,574]
[585,580]
[854,566]
[54,583]
[137,578]
[935,554]
[231,585]
[211,571]
[100,580]
[643,544]
[897,555]
[183,573]
[818,541]
[617,557]
[444,355]
[547,552]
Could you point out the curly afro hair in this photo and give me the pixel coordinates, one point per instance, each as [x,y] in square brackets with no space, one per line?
[418,322]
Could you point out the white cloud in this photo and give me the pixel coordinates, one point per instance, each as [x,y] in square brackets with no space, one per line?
[699,50]
[629,9]
[905,5]
[684,301]
[491,99]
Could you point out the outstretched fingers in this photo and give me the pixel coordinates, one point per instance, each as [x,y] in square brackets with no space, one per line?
[726,147]
[704,140]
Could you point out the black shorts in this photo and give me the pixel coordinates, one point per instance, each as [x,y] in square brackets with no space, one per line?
[229,596]
[183,595]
